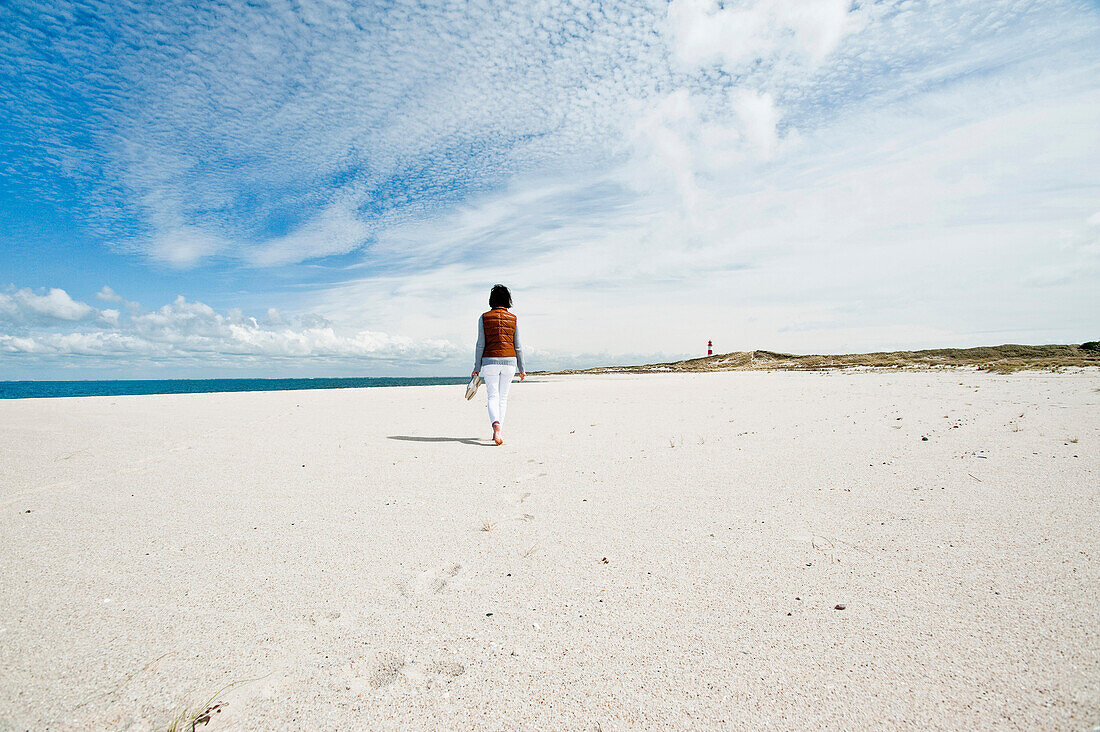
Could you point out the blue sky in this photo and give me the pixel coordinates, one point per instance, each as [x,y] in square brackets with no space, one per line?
[330,188]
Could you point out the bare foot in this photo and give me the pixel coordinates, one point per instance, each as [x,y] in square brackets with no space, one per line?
[496,433]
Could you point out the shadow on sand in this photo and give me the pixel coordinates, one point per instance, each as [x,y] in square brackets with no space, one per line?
[465,440]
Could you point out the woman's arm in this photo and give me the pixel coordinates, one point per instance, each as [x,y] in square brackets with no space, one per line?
[519,351]
[479,349]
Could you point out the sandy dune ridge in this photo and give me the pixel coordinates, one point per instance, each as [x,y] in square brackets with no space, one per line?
[1007,358]
[656,551]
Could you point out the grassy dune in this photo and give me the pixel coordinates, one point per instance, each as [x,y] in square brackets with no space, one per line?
[1000,359]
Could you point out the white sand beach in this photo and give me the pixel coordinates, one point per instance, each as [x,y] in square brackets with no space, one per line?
[644,552]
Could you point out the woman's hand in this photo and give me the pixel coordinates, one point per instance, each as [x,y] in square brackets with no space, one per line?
[522,375]
[473,373]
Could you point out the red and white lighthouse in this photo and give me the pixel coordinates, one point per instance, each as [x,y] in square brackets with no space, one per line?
[710,348]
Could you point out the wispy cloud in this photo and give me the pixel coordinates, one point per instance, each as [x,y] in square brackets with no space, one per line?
[336,229]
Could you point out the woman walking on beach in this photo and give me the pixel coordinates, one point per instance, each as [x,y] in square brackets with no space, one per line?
[498,355]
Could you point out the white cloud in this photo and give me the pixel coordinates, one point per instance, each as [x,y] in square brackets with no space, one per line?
[54,305]
[109,295]
[184,246]
[186,330]
[706,32]
[759,116]
[666,138]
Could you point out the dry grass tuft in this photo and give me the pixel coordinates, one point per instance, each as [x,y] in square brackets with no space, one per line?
[189,717]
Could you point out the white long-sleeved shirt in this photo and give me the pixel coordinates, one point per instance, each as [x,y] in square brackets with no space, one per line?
[479,350]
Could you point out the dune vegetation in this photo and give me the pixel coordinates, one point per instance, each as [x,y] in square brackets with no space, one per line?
[1000,359]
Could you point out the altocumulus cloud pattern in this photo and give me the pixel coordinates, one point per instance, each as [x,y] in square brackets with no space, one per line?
[375,165]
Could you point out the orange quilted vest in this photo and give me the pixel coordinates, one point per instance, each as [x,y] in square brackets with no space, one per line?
[500,330]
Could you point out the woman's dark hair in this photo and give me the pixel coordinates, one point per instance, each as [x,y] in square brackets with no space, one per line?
[500,297]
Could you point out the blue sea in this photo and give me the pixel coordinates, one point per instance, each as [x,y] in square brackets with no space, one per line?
[39,389]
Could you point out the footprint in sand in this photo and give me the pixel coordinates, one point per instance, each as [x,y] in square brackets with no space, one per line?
[515,493]
[430,581]
[433,673]
[384,670]
[364,674]
[326,617]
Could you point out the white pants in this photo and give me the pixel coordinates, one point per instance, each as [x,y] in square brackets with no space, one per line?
[497,378]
